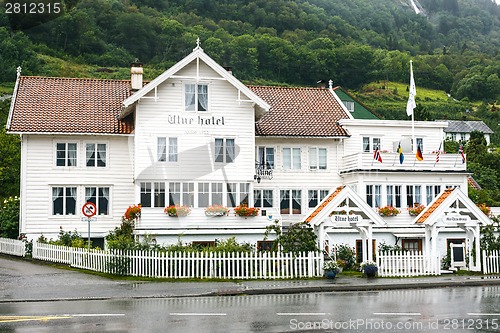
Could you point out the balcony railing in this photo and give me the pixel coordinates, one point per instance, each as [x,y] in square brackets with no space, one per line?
[390,162]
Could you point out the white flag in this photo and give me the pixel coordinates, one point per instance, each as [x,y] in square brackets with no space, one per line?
[413,92]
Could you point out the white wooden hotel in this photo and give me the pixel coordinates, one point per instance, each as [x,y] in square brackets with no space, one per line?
[197,136]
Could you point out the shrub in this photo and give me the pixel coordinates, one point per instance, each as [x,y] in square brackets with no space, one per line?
[9,218]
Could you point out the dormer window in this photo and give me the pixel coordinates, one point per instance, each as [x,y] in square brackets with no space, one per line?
[349,105]
[196,97]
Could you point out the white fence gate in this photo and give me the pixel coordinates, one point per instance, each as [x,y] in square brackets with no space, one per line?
[13,246]
[258,265]
[491,262]
[407,263]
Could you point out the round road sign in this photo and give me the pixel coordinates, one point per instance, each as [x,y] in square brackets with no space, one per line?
[89,209]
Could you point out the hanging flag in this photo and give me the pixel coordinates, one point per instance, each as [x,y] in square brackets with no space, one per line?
[376,155]
[461,152]
[400,152]
[419,155]
[413,92]
[438,153]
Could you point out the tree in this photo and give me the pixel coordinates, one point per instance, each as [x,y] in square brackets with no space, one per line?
[300,237]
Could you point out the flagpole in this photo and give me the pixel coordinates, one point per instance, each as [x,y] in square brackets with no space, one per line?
[412,114]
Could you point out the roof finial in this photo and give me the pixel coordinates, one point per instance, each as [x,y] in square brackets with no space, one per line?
[330,84]
[198,44]
[19,71]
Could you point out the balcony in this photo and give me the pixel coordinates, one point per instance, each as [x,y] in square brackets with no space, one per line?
[390,162]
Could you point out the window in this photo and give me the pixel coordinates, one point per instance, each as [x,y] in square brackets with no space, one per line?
[416,190]
[95,154]
[217,194]
[231,194]
[411,244]
[265,245]
[265,157]
[159,191]
[100,197]
[263,198]
[63,200]
[374,195]
[378,195]
[224,150]
[315,197]
[188,194]
[290,201]
[146,194]
[317,158]
[291,159]
[394,195]
[349,105]
[369,195]
[66,154]
[162,149]
[203,194]
[431,191]
[172,149]
[174,194]
[244,193]
[196,97]
[420,143]
[369,144]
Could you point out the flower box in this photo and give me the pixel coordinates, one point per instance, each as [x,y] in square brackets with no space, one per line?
[177,211]
[244,210]
[388,211]
[133,212]
[216,210]
[416,209]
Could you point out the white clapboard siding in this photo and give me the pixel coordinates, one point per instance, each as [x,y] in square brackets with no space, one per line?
[406,263]
[195,141]
[491,262]
[40,174]
[178,265]
[13,247]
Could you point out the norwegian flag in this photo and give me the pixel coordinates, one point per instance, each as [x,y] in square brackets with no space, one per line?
[376,155]
[461,152]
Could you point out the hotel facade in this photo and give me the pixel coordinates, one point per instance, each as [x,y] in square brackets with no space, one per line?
[196,136]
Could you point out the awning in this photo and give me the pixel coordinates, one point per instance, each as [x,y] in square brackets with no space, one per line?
[409,235]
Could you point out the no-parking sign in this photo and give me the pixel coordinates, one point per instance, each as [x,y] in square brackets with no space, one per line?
[89,209]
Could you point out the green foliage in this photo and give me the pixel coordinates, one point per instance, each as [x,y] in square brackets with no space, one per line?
[299,237]
[67,238]
[384,247]
[345,255]
[490,236]
[9,218]
[122,237]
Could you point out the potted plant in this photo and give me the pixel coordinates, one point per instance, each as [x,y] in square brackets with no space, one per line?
[331,269]
[388,211]
[416,209]
[369,268]
[177,211]
[244,210]
[216,210]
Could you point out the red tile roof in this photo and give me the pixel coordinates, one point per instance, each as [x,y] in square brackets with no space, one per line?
[300,112]
[70,105]
[325,203]
[435,205]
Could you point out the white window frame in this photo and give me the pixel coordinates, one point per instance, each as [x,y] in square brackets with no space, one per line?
[262,156]
[196,97]
[225,155]
[66,157]
[64,198]
[349,105]
[373,142]
[96,152]
[98,197]
[314,158]
[291,197]
[295,152]
[264,196]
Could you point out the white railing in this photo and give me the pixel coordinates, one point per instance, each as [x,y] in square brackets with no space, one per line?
[155,264]
[13,246]
[491,262]
[390,161]
[407,263]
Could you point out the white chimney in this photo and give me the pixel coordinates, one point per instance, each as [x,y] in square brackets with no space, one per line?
[136,72]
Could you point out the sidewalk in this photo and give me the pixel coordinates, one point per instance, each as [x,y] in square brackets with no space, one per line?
[24,281]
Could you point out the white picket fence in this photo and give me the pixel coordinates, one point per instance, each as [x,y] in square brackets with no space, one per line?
[13,246]
[155,264]
[491,262]
[407,263]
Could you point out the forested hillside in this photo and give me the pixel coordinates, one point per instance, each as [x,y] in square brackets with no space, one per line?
[363,45]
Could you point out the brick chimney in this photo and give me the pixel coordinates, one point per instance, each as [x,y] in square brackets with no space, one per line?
[136,72]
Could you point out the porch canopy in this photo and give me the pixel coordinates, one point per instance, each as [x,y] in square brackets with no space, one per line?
[452,209]
[344,208]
